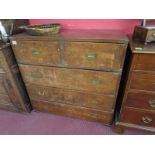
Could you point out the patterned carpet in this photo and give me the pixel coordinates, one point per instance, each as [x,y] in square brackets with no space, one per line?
[48,124]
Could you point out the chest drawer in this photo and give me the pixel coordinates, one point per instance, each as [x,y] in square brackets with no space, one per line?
[71,97]
[86,80]
[5,100]
[144,62]
[143,81]
[141,100]
[37,52]
[2,87]
[91,55]
[73,111]
[103,56]
[133,116]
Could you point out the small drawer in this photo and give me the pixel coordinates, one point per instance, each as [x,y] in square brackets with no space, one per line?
[71,97]
[76,79]
[143,81]
[144,62]
[129,115]
[141,100]
[73,111]
[102,56]
[37,52]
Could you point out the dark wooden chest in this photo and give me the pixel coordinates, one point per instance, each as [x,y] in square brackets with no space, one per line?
[138,106]
[13,94]
[76,73]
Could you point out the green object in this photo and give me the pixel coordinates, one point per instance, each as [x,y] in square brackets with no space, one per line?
[36,75]
[34,53]
[96,81]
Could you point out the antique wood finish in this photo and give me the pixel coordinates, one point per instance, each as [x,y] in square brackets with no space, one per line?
[74,111]
[142,59]
[143,81]
[137,117]
[86,80]
[38,53]
[72,97]
[12,88]
[141,99]
[75,73]
[138,104]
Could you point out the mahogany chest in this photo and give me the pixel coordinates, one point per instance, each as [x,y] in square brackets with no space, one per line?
[138,105]
[75,73]
[13,94]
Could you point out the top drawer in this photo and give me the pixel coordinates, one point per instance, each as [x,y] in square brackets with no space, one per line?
[144,62]
[90,55]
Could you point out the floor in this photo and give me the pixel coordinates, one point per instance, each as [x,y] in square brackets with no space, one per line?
[48,124]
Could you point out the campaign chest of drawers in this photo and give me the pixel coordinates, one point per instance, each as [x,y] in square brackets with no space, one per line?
[13,96]
[138,105]
[75,73]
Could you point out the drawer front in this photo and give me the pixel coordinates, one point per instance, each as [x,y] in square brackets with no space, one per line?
[73,111]
[143,81]
[89,100]
[2,86]
[103,56]
[93,81]
[37,52]
[5,100]
[141,100]
[144,62]
[133,116]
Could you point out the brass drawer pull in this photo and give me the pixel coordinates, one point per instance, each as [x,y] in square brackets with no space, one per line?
[153,34]
[96,81]
[34,53]
[36,75]
[152,103]
[146,119]
[93,101]
[91,56]
[41,93]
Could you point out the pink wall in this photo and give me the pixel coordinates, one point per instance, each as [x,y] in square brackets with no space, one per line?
[126,25]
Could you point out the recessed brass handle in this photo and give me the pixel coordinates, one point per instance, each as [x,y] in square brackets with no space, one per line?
[146,119]
[153,34]
[41,93]
[152,103]
[93,101]
[35,53]
[36,74]
[91,56]
[96,81]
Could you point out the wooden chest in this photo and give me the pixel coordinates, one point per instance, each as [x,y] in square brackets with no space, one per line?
[75,73]
[13,94]
[138,105]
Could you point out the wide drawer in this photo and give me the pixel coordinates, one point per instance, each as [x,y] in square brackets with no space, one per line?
[93,81]
[37,52]
[71,97]
[103,56]
[142,100]
[144,62]
[129,115]
[73,111]
[143,81]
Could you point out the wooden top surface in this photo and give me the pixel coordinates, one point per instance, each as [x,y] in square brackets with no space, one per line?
[80,35]
[140,47]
